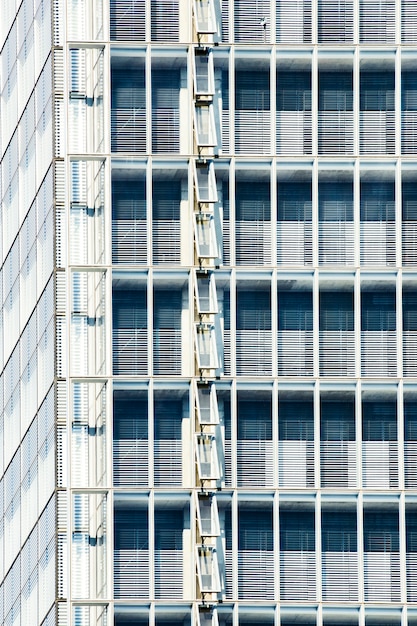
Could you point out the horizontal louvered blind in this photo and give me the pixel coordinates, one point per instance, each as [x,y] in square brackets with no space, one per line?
[382,577]
[409,132]
[227,443]
[411,568]
[294,227]
[294,132]
[252,114]
[294,91]
[166,234]
[337,353]
[253,352]
[338,464]
[377,132]
[337,348]
[167,444]
[254,446]
[296,447]
[294,243]
[296,463]
[339,558]
[339,531]
[226,332]
[409,111]
[297,575]
[378,311]
[295,310]
[293,21]
[129,243]
[338,448]
[294,112]
[337,422]
[377,223]
[335,91]
[378,321]
[130,332]
[377,21]
[253,333]
[377,91]
[411,550]
[128,110]
[377,118]
[335,118]
[295,336]
[410,464]
[130,441]
[335,132]
[379,421]
[410,444]
[335,21]
[379,353]
[164,20]
[340,576]
[165,110]
[410,420]
[169,526]
[226,223]
[409,333]
[380,464]
[409,222]
[253,310]
[131,554]
[255,555]
[295,421]
[381,531]
[336,311]
[252,132]
[253,223]
[127,20]
[225,117]
[297,531]
[167,332]
[295,352]
[252,21]
[408,21]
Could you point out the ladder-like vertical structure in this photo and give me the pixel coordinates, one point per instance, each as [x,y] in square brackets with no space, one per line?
[207,440]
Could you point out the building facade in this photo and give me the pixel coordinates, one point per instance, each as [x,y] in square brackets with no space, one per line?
[208,344]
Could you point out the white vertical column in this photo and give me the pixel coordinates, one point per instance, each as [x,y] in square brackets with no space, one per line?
[235,545]
[272,102]
[403,563]
[356,100]
[232,100]
[400,435]
[314,108]
[148,98]
[358,429]
[398,214]
[317,442]
[276,545]
[151,538]
[274,322]
[356,215]
[356,21]
[357,321]
[314,25]
[399,323]
[232,222]
[398,101]
[361,593]
[318,553]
